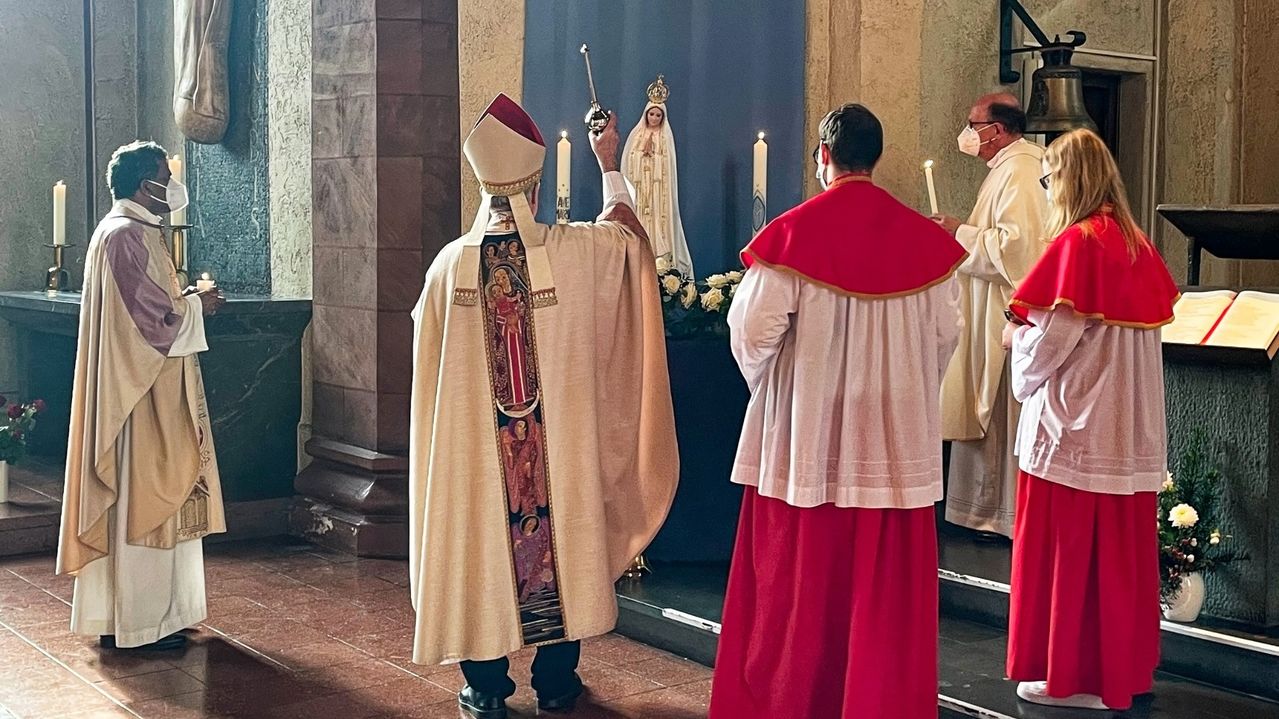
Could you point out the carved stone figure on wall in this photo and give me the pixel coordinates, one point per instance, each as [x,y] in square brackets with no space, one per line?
[201,34]
[648,161]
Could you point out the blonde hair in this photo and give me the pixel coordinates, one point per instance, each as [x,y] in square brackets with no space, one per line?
[1084,180]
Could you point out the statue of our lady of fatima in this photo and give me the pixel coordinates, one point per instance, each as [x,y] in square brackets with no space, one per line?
[648,161]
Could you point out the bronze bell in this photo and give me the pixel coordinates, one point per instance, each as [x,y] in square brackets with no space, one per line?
[1057,96]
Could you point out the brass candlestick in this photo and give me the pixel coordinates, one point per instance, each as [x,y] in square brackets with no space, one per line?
[57,279]
[638,568]
[178,250]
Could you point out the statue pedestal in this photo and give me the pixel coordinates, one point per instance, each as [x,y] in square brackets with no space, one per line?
[353,500]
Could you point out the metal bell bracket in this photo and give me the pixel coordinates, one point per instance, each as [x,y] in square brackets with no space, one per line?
[1008,8]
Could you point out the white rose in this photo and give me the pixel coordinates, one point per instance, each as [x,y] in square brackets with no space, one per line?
[1215,537]
[732,290]
[712,299]
[689,295]
[1167,485]
[1194,542]
[717,280]
[670,284]
[1190,558]
[1183,516]
[734,276]
[663,265]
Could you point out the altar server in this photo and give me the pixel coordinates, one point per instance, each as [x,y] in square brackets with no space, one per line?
[141,479]
[542,456]
[1088,365]
[1004,236]
[842,327]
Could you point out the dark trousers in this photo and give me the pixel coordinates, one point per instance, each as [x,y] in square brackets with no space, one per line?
[554,672]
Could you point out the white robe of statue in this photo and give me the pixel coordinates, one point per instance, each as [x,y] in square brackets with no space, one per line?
[648,161]
[142,594]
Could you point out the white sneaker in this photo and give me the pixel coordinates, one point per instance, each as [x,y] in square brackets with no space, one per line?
[1037,693]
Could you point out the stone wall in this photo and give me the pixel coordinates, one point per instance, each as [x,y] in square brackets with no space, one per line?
[42,140]
[490,60]
[229,181]
[289,145]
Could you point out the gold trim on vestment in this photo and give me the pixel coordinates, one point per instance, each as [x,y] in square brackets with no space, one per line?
[1096,315]
[859,295]
[464,297]
[512,188]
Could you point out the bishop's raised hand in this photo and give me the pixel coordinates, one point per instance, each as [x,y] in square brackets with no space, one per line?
[606,144]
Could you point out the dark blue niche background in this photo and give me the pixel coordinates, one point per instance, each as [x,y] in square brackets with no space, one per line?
[734,68]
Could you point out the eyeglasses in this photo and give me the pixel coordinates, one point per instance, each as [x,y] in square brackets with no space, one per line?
[984,123]
[817,153]
[1043,181]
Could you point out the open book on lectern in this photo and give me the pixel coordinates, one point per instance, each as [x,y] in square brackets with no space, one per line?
[1223,318]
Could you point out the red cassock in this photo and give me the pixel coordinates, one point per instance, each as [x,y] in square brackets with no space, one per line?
[831,612]
[1084,610]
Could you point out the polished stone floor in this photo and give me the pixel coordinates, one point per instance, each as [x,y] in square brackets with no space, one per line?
[292,632]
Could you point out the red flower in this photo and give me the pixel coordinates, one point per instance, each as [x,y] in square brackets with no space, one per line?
[15,411]
[39,405]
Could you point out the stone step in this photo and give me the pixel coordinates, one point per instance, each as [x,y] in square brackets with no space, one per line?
[1218,657]
[678,609]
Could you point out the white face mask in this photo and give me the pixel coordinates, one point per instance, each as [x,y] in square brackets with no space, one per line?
[970,141]
[175,191]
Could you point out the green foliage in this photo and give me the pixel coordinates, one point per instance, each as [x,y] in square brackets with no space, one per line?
[19,420]
[1187,546]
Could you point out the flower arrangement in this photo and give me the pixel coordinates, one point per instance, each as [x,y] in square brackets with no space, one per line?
[693,307]
[1189,539]
[19,420]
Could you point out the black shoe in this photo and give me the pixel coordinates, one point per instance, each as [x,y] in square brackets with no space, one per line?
[173,641]
[992,538]
[481,706]
[561,704]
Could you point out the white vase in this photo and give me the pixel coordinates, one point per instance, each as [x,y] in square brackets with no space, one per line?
[4,482]
[1184,605]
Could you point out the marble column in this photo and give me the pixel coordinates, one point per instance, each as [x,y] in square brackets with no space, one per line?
[385,199]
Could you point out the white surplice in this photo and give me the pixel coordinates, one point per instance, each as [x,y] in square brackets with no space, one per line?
[841,388]
[141,594]
[1093,415]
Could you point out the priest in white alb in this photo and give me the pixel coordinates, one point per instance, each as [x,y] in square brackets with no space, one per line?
[1004,236]
[542,440]
[142,483]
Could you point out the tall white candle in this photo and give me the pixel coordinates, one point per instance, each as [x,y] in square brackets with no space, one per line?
[177,169]
[932,189]
[759,187]
[60,213]
[563,181]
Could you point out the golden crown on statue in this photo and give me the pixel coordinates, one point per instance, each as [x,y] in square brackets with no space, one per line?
[658,92]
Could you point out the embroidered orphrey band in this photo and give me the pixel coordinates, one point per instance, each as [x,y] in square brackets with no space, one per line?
[466,298]
[521,435]
[544,298]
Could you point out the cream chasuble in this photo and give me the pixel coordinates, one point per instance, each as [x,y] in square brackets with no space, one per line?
[543,453]
[142,483]
[1004,238]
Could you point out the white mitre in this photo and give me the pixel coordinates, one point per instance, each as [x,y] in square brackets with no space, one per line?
[505,149]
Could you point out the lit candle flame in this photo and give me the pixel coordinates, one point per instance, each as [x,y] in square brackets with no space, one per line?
[205,276]
[564,134]
[761,135]
[928,164]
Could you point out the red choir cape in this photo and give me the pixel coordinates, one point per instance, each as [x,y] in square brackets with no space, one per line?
[858,240]
[1094,274]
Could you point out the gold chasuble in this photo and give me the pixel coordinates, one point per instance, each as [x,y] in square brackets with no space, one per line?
[129,314]
[542,442]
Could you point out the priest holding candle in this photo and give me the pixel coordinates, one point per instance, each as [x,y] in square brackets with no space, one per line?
[1004,237]
[141,475]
